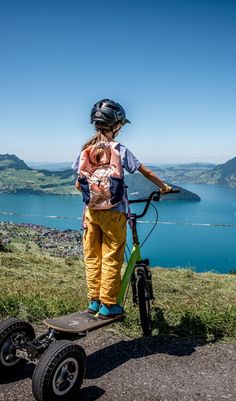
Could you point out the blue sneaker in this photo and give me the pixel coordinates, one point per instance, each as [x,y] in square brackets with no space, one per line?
[93,307]
[108,312]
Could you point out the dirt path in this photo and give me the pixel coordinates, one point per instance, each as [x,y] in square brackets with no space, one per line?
[151,369]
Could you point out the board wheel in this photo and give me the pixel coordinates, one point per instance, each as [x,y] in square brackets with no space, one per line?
[13,330]
[59,373]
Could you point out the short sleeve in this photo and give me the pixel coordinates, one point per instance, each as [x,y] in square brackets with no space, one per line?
[75,165]
[129,162]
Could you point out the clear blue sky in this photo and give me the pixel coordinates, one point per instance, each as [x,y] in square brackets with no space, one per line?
[170,63]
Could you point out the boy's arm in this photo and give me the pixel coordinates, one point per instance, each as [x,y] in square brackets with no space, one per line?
[151,176]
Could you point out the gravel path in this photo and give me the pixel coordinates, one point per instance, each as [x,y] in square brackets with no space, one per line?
[151,369]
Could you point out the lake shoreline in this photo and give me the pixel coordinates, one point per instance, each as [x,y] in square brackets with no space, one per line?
[34,237]
[198,235]
[65,243]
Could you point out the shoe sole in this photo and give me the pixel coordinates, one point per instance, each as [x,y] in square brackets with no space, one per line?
[91,312]
[103,317]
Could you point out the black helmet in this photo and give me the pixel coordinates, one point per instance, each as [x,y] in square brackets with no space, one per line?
[108,112]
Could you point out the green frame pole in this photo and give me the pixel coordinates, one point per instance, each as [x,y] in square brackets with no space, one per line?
[134,257]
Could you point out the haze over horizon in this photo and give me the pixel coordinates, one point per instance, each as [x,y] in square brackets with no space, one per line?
[171,65]
[60,163]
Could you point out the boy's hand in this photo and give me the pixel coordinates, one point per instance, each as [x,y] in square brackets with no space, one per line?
[77,185]
[166,189]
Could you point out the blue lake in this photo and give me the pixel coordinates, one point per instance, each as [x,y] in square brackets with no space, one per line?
[200,235]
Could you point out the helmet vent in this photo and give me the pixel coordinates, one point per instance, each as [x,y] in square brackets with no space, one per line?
[112,107]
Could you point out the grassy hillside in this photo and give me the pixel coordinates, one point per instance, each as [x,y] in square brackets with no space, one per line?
[34,286]
[223,174]
[201,173]
[34,181]
[17,177]
[183,173]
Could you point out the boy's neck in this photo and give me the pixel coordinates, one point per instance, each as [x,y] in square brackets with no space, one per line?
[111,136]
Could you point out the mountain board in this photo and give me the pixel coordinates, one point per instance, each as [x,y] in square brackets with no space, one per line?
[80,322]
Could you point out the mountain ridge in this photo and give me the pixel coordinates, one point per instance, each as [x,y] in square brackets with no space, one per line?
[223,174]
[12,161]
[19,178]
[201,173]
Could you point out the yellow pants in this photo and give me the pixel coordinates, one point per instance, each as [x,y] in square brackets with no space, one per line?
[104,245]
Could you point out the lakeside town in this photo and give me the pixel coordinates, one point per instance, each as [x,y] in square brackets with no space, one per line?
[32,238]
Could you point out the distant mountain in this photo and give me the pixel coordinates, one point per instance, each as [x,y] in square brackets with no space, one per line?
[54,166]
[200,173]
[139,187]
[192,166]
[181,173]
[223,174]
[60,173]
[12,161]
[17,177]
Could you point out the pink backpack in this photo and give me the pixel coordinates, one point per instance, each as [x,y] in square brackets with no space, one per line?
[101,175]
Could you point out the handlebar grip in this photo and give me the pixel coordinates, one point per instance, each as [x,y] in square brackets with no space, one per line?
[156,198]
[173,191]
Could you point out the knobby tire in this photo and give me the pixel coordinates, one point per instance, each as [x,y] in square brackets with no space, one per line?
[144,304]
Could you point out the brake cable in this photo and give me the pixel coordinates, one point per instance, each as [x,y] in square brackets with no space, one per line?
[129,251]
[154,225]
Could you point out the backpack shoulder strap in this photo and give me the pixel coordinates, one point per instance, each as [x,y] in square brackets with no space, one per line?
[114,144]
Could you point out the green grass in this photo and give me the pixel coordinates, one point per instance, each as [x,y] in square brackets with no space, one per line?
[12,181]
[34,286]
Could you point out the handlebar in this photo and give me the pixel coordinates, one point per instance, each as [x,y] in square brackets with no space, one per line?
[154,196]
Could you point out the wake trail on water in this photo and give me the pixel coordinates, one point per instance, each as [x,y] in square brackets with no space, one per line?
[181,223]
